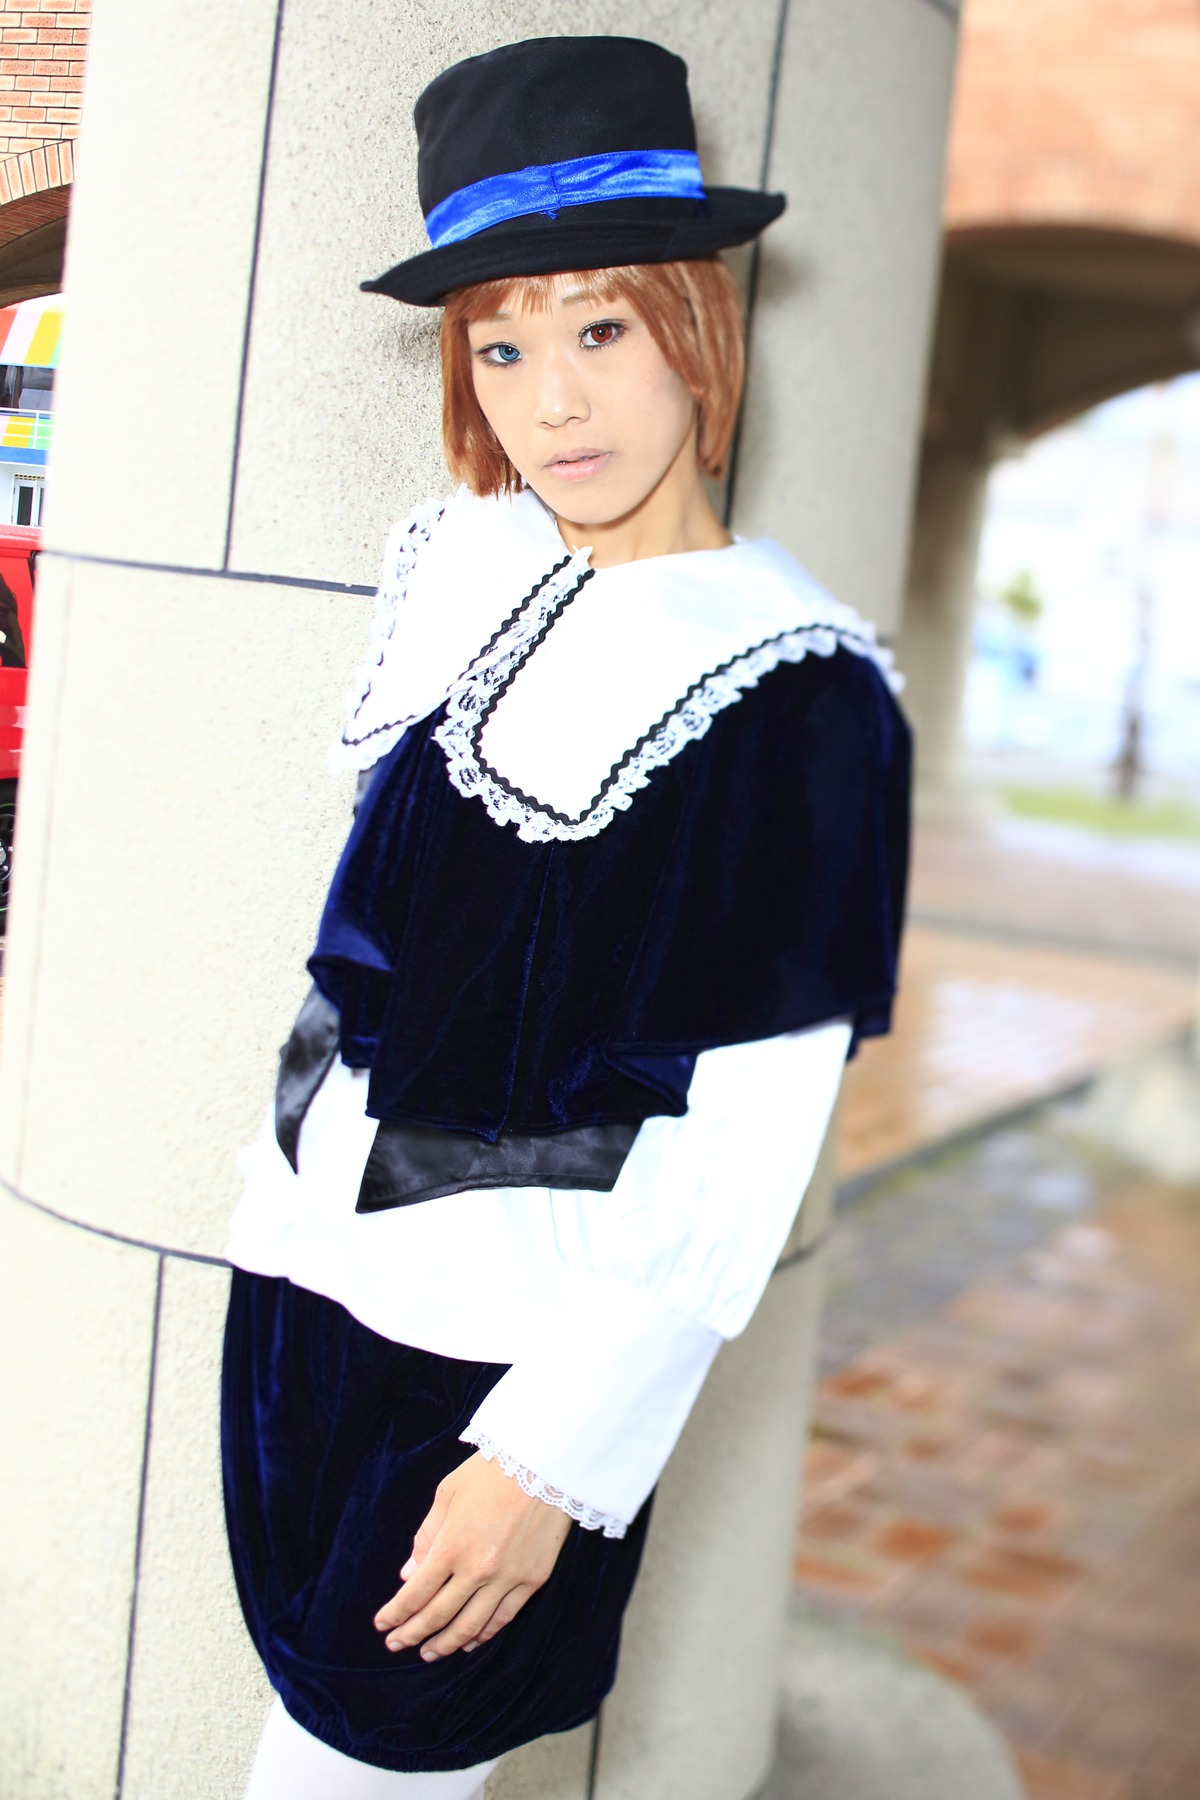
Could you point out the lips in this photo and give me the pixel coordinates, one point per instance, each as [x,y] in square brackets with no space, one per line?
[578,465]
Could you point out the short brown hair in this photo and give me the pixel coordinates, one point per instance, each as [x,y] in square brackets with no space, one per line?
[694,314]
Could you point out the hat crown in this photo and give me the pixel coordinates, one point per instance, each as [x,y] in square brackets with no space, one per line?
[548,100]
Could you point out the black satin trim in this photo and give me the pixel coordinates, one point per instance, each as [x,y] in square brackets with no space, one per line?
[409,1163]
[304,1062]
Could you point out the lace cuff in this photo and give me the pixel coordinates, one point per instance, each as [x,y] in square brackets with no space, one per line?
[532,1484]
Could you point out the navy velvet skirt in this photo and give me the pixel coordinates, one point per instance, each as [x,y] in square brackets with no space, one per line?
[333,1440]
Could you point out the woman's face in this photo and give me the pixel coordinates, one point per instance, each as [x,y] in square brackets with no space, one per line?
[587,409]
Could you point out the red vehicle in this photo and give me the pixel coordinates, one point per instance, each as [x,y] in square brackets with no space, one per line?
[19,546]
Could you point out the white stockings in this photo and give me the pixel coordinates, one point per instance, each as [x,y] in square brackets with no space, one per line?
[291,1764]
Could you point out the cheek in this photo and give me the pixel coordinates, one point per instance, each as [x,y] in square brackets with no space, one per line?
[660,409]
[491,398]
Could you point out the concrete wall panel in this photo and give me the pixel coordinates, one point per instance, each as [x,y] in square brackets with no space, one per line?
[838,362]
[146,401]
[815,1216]
[719,1638]
[76,1328]
[197,1694]
[342,387]
[191,766]
[554,1768]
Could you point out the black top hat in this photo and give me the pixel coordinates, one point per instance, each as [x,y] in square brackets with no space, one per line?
[563,153]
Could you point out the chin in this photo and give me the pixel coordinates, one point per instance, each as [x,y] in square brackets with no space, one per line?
[583,502]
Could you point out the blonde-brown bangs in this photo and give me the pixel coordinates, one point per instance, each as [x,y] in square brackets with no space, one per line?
[692,309]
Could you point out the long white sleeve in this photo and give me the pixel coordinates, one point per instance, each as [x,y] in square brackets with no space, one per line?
[661,1269]
[608,1307]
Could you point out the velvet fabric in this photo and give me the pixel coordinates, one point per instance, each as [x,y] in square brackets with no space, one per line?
[755,886]
[333,1442]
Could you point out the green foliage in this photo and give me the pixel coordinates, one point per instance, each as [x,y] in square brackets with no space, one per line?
[1103,812]
[1021,595]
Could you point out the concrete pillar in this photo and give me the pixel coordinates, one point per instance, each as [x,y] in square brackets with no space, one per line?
[935,637]
[237,425]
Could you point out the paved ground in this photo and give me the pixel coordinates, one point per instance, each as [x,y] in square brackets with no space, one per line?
[1005,1467]
[1008,1475]
[1023,878]
[1035,957]
[986,1024]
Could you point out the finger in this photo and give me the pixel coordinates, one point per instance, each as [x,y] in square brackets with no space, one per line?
[464,1629]
[426,1536]
[416,1592]
[506,1612]
[444,1606]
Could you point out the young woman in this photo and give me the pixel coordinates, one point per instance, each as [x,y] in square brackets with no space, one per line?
[622,890]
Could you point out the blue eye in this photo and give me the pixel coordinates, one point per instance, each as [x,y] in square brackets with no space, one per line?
[504,353]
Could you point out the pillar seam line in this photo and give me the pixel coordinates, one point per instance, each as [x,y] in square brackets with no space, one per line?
[221,1262]
[752,277]
[26,1061]
[114,1237]
[140,1530]
[947,8]
[252,285]
[593,1772]
[165,568]
[803,1254]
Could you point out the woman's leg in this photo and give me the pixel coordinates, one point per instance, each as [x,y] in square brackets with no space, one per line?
[291,1764]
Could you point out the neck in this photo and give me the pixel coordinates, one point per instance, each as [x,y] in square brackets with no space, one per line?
[675,516]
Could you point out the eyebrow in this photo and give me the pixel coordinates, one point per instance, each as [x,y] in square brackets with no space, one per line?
[577,297]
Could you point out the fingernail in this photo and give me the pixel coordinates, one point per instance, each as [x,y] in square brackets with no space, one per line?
[407,1570]
[395,1643]
[429,1656]
[469,1647]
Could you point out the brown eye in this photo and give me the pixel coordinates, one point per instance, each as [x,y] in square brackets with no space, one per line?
[595,337]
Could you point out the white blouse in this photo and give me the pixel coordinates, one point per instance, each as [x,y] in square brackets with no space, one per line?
[609,1307]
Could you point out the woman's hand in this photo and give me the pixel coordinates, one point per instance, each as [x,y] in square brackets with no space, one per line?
[484,1548]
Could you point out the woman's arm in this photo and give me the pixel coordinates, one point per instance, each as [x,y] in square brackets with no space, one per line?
[662,1269]
[658,1272]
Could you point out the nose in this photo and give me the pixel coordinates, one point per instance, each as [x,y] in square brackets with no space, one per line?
[561,397]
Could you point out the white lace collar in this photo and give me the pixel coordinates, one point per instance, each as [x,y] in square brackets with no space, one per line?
[587,680]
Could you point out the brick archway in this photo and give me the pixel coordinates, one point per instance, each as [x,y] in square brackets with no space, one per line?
[35,189]
[35,194]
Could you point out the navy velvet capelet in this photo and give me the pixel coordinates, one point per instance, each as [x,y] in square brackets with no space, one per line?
[502,990]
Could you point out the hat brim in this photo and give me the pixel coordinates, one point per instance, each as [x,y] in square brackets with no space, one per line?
[575,240]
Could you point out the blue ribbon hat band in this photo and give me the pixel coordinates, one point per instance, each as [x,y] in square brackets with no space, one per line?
[548,187]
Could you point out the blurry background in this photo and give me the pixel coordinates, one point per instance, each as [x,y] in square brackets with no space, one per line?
[1005,1472]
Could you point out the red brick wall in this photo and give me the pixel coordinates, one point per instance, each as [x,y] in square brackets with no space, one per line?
[1077,112]
[42,53]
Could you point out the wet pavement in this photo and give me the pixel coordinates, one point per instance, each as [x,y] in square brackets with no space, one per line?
[1004,1471]
[985,1025]
[1005,1464]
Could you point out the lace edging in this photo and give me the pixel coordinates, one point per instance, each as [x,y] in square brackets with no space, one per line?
[467,705]
[588,1516]
[408,539]
[683,725]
